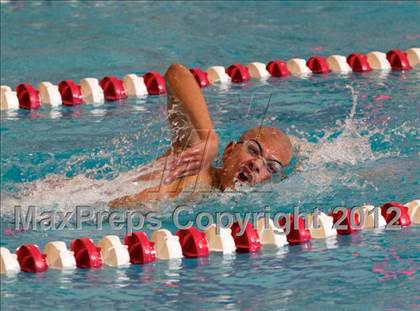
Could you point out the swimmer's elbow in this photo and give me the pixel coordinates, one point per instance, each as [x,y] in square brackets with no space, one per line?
[129,201]
[176,71]
[157,193]
[117,203]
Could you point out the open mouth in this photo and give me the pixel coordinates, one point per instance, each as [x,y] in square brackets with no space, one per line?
[244,177]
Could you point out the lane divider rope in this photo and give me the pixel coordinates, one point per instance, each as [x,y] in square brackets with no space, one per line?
[110,88]
[192,243]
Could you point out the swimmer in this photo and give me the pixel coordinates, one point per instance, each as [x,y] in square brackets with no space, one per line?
[260,152]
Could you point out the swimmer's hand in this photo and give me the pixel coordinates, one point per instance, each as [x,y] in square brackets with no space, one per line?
[191,161]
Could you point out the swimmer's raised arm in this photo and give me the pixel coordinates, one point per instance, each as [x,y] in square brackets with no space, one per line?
[187,111]
[194,141]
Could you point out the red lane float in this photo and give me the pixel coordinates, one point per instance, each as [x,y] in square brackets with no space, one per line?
[297,235]
[318,64]
[398,60]
[28,97]
[155,83]
[71,93]
[193,243]
[141,250]
[238,73]
[277,68]
[31,259]
[200,76]
[86,253]
[249,241]
[358,62]
[352,226]
[113,88]
[389,215]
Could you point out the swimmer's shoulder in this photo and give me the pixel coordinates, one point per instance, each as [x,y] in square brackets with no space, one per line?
[204,181]
[190,186]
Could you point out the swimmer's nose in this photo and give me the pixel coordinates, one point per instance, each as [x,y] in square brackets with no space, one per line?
[256,165]
[259,171]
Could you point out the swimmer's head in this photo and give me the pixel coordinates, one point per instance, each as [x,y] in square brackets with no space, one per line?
[260,153]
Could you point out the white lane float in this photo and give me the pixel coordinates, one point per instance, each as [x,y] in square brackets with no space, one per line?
[58,256]
[114,253]
[217,74]
[297,66]
[167,245]
[368,217]
[8,262]
[110,250]
[91,90]
[321,226]
[5,88]
[269,234]
[85,254]
[134,85]
[258,70]
[377,60]
[8,98]
[413,56]
[338,63]
[414,211]
[153,83]
[222,242]
[49,94]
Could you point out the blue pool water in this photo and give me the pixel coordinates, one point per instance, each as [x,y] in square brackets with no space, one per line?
[356,138]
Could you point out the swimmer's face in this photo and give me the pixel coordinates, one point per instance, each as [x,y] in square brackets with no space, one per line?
[259,154]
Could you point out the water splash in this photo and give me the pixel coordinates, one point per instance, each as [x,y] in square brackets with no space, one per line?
[334,159]
[61,193]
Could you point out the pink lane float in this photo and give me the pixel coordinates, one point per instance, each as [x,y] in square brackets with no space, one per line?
[192,243]
[200,76]
[249,241]
[140,249]
[86,253]
[318,65]
[396,214]
[155,83]
[297,235]
[358,62]
[238,73]
[398,60]
[345,218]
[71,93]
[28,97]
[277,68]
[111,88]
[31,259]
